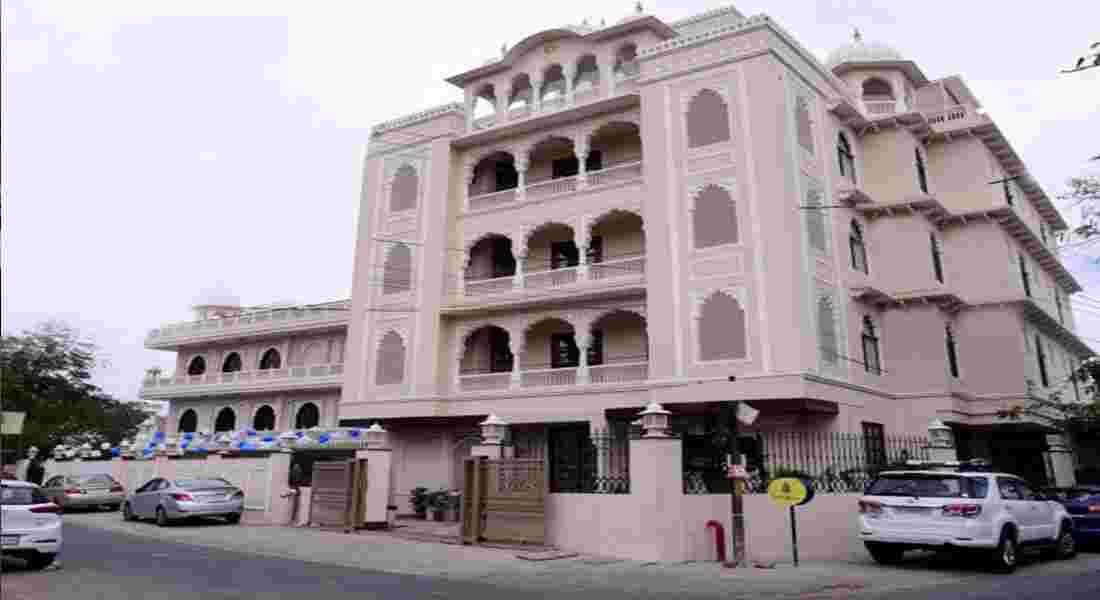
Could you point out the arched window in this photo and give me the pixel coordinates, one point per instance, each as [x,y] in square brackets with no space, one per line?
[264,419]
[877,89]
[816,222]
[197,366]
[397,271]
[271,360]
[403,190]
[871,360]
[826,330]
[226,421]
[232,363]
[391,359]
[952,351]
[922,174]
[857,247]
[308,416]
[189,421]
[803,124]
[708,120]
[845,159]
[722,329]
[714,218]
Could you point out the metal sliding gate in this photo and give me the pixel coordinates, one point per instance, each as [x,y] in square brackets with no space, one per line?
[504,500]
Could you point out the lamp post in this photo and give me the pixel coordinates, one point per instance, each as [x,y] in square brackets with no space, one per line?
[942,443]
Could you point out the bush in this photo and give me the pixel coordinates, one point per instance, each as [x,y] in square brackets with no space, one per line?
[418,500]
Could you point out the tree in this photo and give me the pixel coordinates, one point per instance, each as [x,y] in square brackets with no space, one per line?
[1084,195]
[46,372]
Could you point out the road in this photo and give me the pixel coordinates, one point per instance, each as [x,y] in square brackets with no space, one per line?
[102,564]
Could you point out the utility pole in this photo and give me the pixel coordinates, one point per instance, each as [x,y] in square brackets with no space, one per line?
[729,416]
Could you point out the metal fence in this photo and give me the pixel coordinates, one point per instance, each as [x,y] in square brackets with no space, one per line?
[834,462]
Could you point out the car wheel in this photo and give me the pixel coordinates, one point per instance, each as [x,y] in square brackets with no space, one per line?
[233,519]
[41,560]
[1065,547]
[162,517]
[885,554]
[1006,554]
[127,514]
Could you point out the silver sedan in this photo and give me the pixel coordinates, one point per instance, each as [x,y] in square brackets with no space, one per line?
[84,491]
[169,499]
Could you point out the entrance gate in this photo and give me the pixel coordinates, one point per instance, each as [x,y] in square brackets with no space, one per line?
[504,500]
[339,494]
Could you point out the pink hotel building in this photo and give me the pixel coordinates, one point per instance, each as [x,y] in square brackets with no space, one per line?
[636,212]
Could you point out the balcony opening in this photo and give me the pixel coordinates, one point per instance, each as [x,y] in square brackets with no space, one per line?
[485,106]
[550,344]
[494,173]
[264,419]
[626,62]
[189,421]
[232,363]
[271,360]
[616,146]
[552,94]
[551,247]
[878,96]
[197,366]
[553,167]
[519,102]
[308,416]
[226,421]
[619,339]
[587,79]
[487,350]
[708,119]
[617,246]
[491,257]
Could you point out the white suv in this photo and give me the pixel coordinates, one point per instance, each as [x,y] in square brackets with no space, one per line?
[30,526]
[941,510]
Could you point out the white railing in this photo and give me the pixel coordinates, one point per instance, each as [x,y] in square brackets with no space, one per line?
[620,372]
[492,199]
[615,174]
[519,112]
[245,322]
[955,113]
[550,187]
[880,107]
[620,267]
[586,93]
[480,382]
[242,377]
[551,279]
[549,104]
[496,285]
[485,122]
[549,377]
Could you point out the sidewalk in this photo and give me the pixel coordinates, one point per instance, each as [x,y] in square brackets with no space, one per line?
[384,552]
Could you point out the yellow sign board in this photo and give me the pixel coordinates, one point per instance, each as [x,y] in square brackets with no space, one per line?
[789,491]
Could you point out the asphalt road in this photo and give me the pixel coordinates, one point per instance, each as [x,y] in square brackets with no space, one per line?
[101,564]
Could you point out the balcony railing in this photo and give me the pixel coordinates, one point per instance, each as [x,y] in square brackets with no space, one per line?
[481,382]
[881,107]
[551,278]
[625,172]
[632,369]
[231,381]
[485,122]
[496,285]
[246,323]
[620,372]
[619,267]
[632,265]
[549,377]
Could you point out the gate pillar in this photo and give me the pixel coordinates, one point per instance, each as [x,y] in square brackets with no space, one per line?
[379,457]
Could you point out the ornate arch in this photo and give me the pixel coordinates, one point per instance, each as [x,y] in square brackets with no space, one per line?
[572,135]
[256,413]
[474,159]
[631,118]
[397,277]
[528,232]
[206,362]
[466,331]
[704,336]
[712,239]
[589,223]
[469,243]
[392,375]
[714,125]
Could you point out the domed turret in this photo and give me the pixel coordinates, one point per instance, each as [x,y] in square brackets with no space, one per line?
[858,51]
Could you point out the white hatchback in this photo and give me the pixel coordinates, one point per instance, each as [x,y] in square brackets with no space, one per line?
[996,513]
[30,525]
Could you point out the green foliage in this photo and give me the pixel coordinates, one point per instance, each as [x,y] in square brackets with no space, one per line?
[439,500]
[1061,410]
[46,372]
[1083,195]
[418,500]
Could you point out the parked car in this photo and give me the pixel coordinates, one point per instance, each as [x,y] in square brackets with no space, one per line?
[169,499]
[85,491]
[30,525]
[1083,504]
[996,514]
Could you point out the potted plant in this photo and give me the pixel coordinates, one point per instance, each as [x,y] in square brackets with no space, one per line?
[437,503]
[454,506]
[418,499]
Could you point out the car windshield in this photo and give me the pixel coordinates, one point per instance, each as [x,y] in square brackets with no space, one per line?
[1083,495]
[97,480]
[21,496]
[930,486]
[195,484]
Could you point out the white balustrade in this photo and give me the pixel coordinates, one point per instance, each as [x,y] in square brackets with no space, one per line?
[550,279]
[880,107]
[620,372]
[551,187]
[616,174]
[485,122]
[496,285]
[484,381]
[244,377]
[549,377]
[955,113]
[519,112]
[620,267]
[246,321]
[492,199]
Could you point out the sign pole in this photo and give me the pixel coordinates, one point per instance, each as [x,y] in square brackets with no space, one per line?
[794,535]
[737,511]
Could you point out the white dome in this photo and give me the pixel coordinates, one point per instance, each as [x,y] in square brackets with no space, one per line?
[859,51]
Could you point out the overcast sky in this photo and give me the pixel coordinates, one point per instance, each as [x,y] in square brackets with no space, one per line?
[157,150]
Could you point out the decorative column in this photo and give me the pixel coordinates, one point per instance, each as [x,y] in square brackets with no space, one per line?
[580,146]
[656,482]
[601,439]
[518,278]
[379,458]
[607,77]
[941,443]
[567,74]
[581,241]
[501,108]
[516,346]
[583,337]
[521,170]
[536,96]
[493,431]
[1059,457]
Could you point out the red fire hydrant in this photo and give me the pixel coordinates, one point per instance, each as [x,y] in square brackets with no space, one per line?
[719,539]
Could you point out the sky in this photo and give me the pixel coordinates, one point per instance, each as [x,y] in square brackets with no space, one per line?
[157,153]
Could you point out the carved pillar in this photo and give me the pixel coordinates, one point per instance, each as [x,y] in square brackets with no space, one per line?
[600,434]
[536,95]
[580,146]
[580,239]
[521,170]
[568,75]
[502,108]
[583,337]
[607,76]
[516,344]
